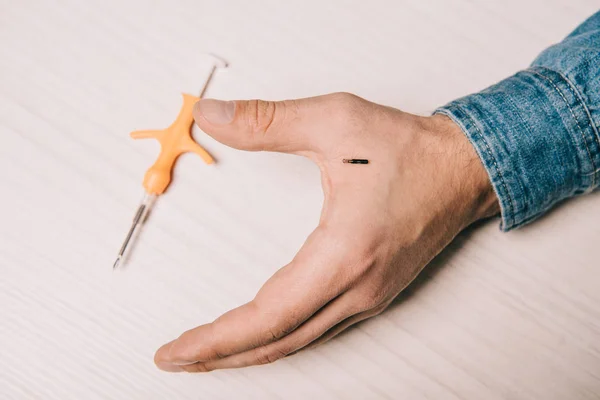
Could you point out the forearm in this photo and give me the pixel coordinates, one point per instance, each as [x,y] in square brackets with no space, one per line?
[537,131]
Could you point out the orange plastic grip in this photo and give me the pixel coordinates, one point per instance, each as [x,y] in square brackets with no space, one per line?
[174,141]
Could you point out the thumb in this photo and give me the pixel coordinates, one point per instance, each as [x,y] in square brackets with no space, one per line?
[285,126]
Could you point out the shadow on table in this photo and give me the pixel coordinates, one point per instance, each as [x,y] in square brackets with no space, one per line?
[445,257]
[429,272]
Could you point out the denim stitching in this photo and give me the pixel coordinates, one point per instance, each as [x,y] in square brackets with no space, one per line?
[593,172]
[587,62]
[589,120]
[574,117]
[576,93]
[496,167]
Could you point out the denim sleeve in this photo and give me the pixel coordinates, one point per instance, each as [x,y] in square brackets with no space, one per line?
[536,132]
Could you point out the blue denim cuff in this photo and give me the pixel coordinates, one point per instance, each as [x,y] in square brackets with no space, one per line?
[536,139]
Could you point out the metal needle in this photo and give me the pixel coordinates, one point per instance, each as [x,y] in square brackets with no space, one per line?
[138,220]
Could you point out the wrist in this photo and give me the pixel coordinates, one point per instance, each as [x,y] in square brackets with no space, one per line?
[467,181]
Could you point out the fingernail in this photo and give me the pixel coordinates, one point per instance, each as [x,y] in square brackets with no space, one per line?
[215,111]
[182,362]
[169,367]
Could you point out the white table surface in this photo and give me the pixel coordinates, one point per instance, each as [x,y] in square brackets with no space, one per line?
[496,316]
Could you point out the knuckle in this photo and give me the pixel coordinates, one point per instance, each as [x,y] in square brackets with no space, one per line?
[267,355]
[347,108]
[362,263]
[380,309]
[276,330]
[373,298]
[271,336]
[261,115]
[212,351]
[274,324]
[344,99]
[201,367]
[215,354]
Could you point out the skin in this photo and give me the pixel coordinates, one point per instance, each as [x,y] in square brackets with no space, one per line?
[380,225]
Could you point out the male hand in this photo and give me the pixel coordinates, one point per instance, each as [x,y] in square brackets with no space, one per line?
[381,222]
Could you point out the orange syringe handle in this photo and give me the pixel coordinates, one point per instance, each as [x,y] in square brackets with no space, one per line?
[174,141]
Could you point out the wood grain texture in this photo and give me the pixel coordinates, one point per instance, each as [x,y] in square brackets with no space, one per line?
[496,316]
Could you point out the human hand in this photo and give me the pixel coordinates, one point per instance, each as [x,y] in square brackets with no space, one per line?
[381,222]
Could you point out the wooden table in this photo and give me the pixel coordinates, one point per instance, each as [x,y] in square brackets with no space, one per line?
[496,316]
